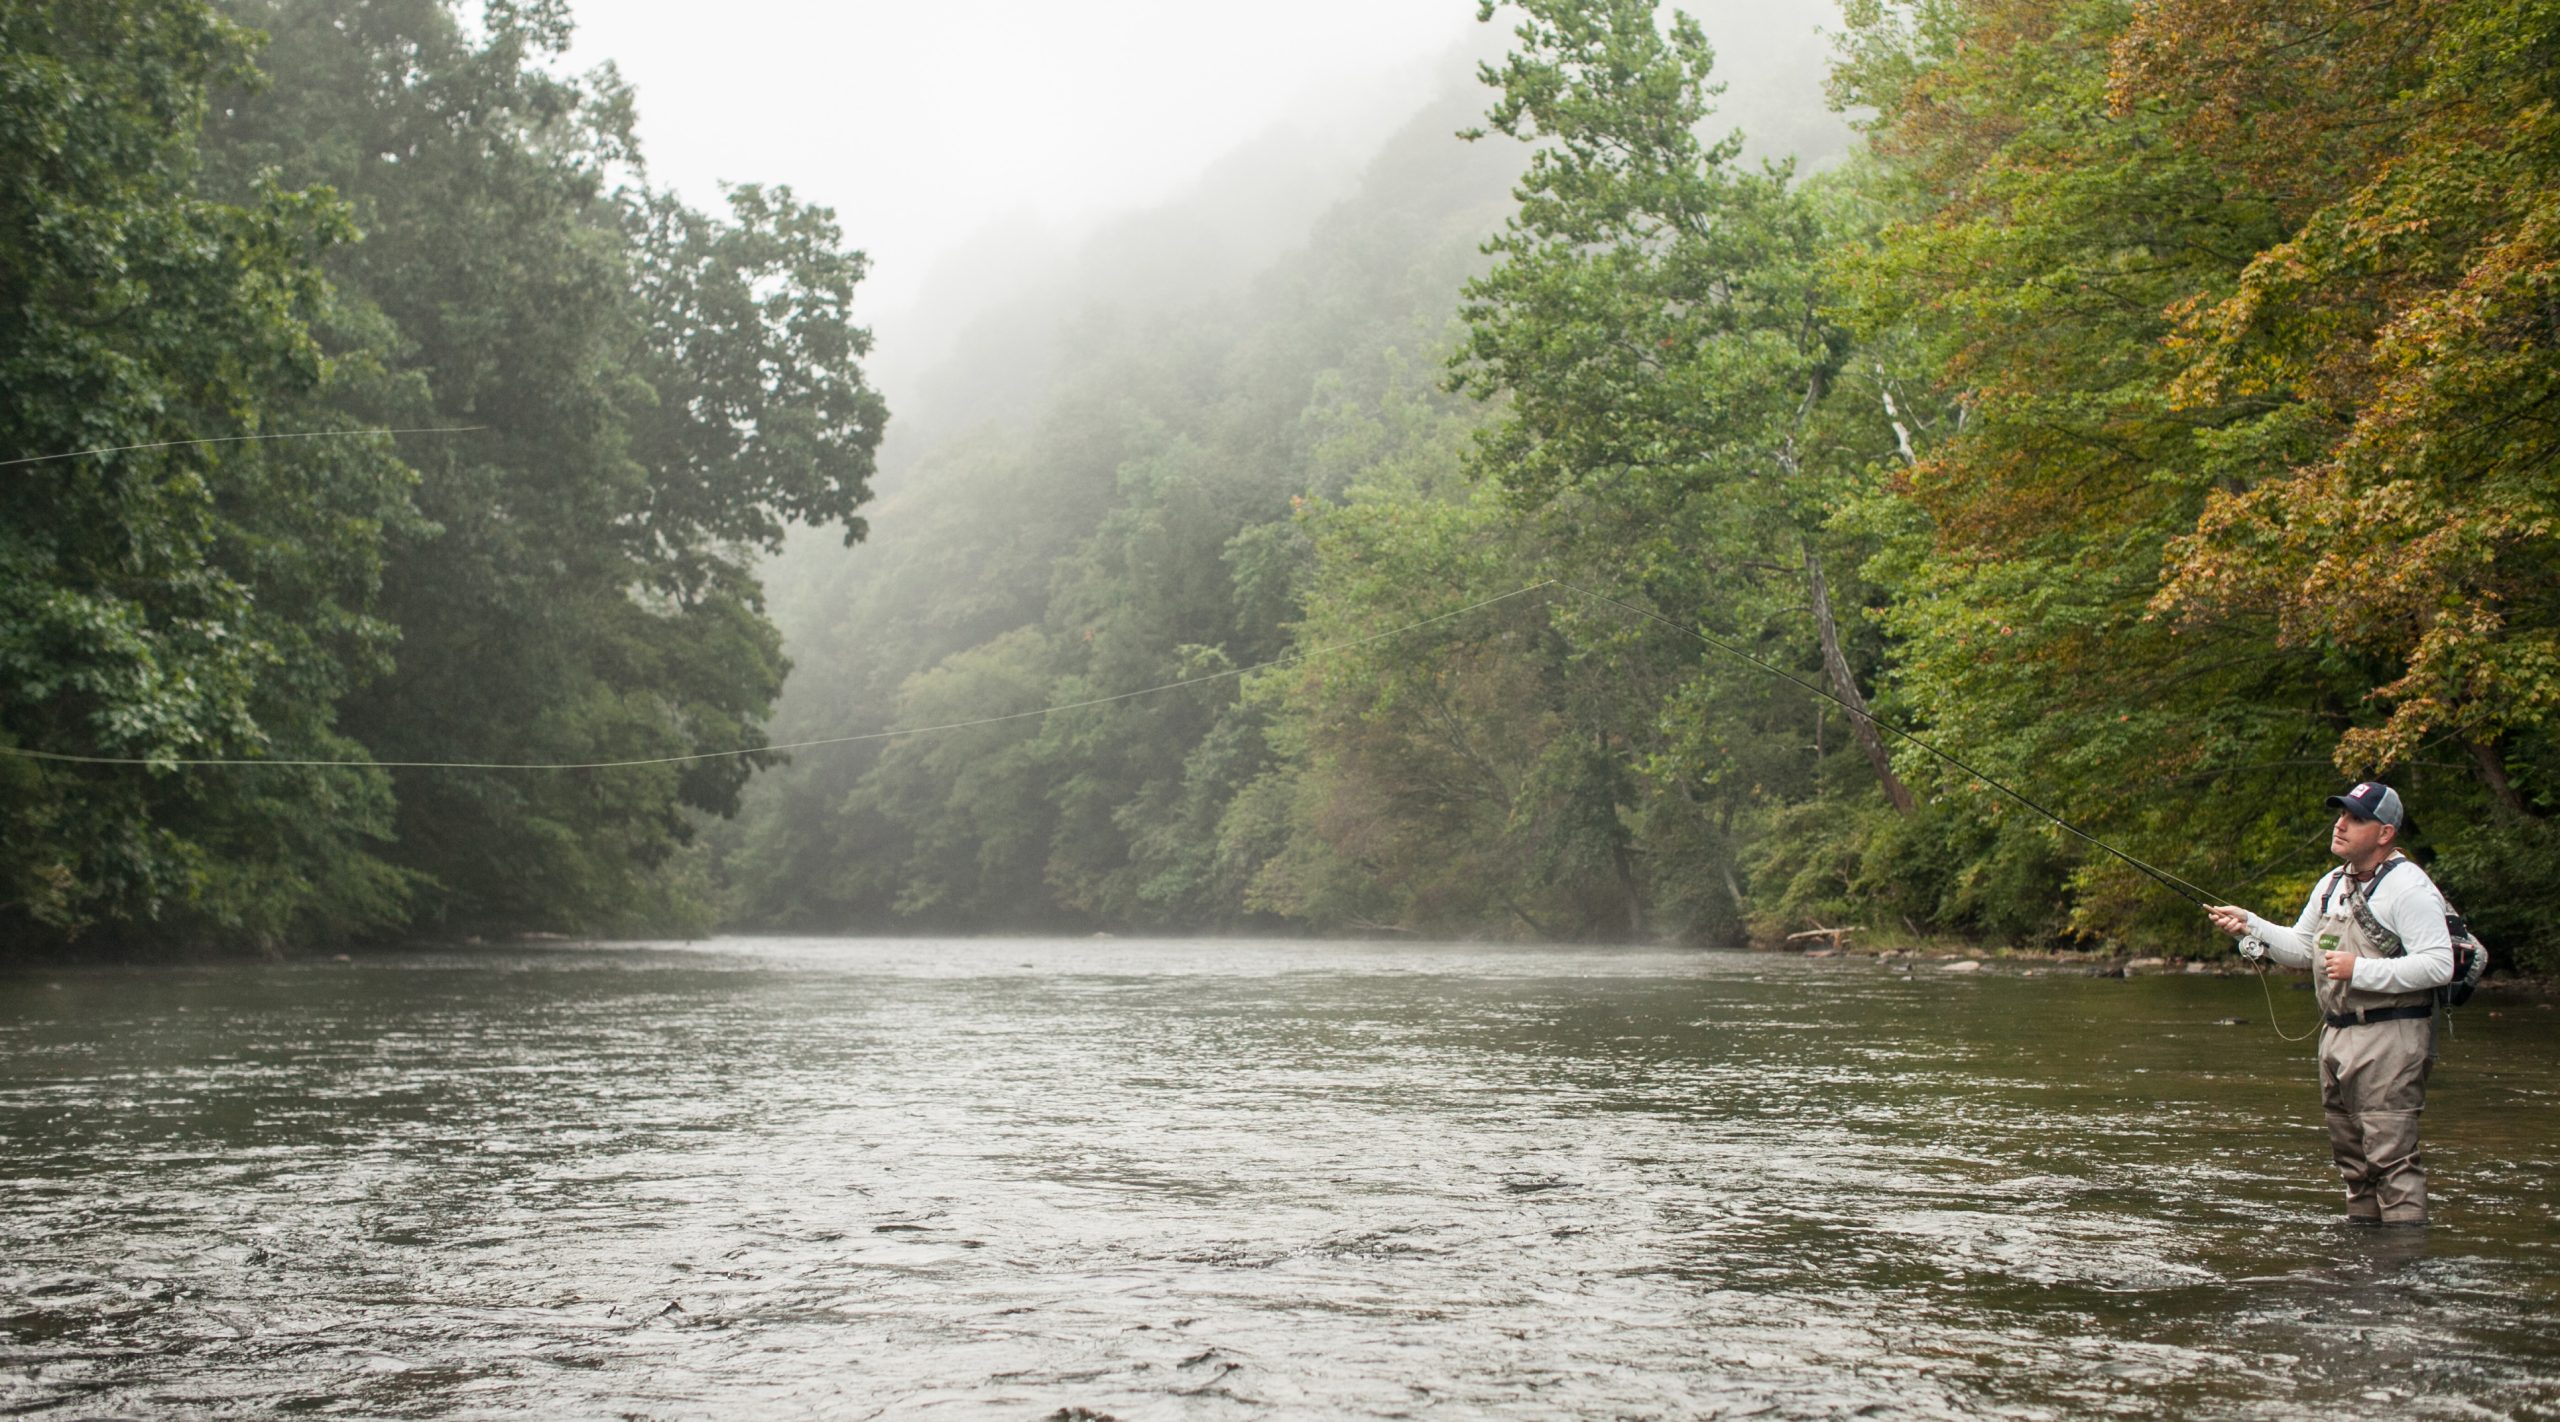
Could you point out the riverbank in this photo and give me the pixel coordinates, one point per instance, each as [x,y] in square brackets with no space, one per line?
[1945,955]
[2542,990]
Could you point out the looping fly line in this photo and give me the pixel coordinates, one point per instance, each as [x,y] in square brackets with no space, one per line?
[1201,680]
[2159,875]
[229,439]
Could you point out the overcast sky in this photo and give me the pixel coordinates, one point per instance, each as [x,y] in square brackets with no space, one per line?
[921,123]
[925,123]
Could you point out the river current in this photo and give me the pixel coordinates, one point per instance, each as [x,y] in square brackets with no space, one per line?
[1084,1179]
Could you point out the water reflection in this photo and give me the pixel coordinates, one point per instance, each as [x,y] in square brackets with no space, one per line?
[1169,1180]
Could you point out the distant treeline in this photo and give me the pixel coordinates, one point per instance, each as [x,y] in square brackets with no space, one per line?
[2158,409]
[275,217]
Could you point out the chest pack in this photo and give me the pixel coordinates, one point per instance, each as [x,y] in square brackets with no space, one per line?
[2470,957]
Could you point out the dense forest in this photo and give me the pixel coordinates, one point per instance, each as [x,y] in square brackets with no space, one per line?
[2152,406]
[382,218]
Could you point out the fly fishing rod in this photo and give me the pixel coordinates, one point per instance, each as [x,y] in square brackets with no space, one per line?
[2163,877]
[2168,880]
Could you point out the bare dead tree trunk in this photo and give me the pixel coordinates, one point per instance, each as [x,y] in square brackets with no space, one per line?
[1724,856]
[1724,844]
[1835,664]
[1622,859]
[1535,927]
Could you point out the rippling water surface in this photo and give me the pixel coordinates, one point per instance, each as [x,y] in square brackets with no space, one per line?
[801,1178]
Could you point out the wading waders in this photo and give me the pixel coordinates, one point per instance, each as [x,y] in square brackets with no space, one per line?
[2374,1056]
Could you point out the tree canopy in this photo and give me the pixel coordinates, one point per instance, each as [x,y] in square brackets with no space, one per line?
[2041,427]
[2152,410]
[284,218]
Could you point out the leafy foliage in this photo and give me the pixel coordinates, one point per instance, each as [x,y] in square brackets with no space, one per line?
[164,600]
[2155,412]
[394,220]
[656,393]
[2249,478]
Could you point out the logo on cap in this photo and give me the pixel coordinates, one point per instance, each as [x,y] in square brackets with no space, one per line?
[2372,800]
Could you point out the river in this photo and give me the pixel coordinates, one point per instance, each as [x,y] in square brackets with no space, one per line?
[1161,1179]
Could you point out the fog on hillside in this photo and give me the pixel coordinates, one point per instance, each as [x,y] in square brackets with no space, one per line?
[1098,471]
[979,340]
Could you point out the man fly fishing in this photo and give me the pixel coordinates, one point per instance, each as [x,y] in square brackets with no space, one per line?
[2374,936]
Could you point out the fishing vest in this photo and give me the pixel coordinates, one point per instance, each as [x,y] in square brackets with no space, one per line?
[2347,922]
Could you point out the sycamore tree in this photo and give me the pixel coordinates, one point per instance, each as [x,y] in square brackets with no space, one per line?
[1679,409]
[1440,773]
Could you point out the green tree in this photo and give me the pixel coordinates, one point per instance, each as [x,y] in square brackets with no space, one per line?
[1685,418]
[2239,304]
[2385,488]
[1456,776]
[657,393]
[183,598]
[2039,242]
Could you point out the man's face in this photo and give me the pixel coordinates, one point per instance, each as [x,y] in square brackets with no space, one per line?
[2354,838]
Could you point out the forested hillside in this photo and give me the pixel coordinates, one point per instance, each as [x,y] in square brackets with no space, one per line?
[1130,527]
[2004,428]
[2150,406]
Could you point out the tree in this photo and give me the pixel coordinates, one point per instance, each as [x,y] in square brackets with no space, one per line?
[2039,241]
[2239,304]
[656,393]
[1656,321]
[1445,774]
[190,592]
[2388,489]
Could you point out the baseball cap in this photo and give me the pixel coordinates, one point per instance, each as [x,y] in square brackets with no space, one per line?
[2371,800]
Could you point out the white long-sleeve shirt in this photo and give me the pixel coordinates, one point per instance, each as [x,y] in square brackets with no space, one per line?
[2406,901]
